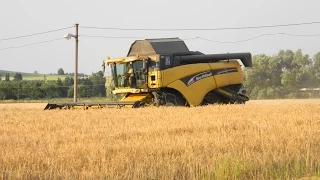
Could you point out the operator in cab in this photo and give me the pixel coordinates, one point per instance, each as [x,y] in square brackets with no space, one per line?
[128,78]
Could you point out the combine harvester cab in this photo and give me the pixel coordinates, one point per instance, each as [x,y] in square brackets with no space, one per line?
[163,72]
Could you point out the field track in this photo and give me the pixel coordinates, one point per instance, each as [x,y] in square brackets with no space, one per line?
[264,139]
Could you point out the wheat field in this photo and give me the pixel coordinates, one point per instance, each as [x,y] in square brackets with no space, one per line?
[274,139]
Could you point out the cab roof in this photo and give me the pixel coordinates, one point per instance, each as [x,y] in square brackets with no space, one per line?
[157,46]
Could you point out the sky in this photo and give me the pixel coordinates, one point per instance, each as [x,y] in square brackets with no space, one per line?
[21,17]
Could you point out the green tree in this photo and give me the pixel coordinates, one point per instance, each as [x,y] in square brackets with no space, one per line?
[60,71]
[18,77]
[7,77]
[316,70]
[17,88]
[50,89]
[265,74]
[61,90]
[68,81]
[33,90]
[281,75]
[296,73]
[70,92]
[84,91]
[285,57]
[67,86]
[98,84]
[6,90]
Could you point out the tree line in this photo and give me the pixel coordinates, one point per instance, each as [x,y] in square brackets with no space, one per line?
[17,76]
[284,75]
[93,86]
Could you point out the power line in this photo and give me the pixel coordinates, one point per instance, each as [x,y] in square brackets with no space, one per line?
[205,39]
[201,38]
[302,35]
[112,37]
[31,44]
[124,37]
[239,40]
[200,29]
[17,37]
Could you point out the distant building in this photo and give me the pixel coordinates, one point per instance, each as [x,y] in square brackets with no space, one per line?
[309,92]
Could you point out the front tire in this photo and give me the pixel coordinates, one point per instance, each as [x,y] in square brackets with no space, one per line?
[168,98]
[173,99]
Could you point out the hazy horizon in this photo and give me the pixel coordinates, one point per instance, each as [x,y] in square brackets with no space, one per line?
[20,18]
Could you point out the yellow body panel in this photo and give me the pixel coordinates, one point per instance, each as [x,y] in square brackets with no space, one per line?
[135,97]
[153,57]
[176,73]
[128,90]
[229,78]
[155,82]
[128,59]
[195,93]
[121,59]
[154,79]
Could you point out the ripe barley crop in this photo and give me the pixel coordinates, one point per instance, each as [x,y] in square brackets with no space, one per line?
[259,140]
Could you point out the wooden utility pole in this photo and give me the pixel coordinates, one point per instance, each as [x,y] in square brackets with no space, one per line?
[75,91]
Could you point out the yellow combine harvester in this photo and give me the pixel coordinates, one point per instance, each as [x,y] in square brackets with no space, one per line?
[163,72]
